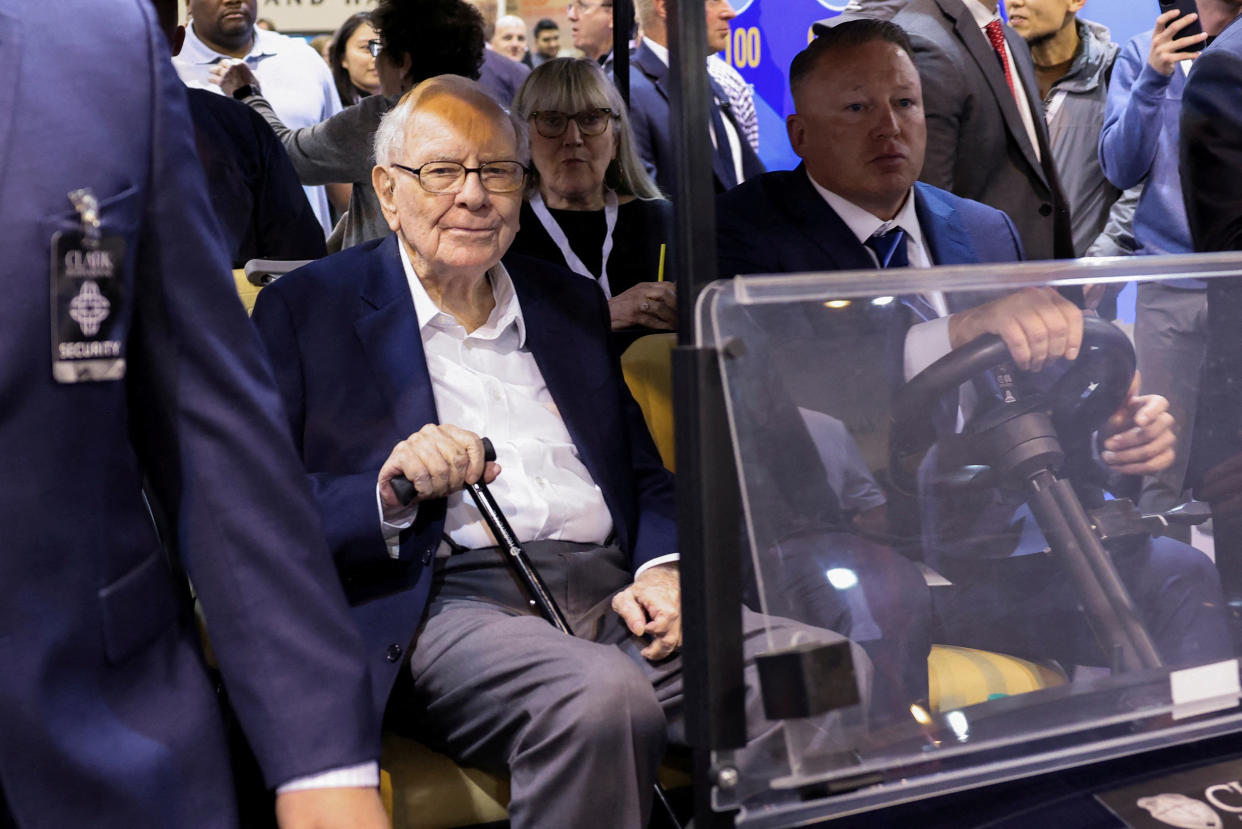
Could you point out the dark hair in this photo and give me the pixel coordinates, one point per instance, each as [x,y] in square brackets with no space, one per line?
[348,92]
[843,36]
[442,37]
[545,24]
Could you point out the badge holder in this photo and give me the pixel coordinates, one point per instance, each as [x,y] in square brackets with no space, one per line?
[88,299]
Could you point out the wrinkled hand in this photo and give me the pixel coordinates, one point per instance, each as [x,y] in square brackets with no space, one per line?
[1037,324]
[651,606]
[438,460]
[1138,438]
[233,75]
[340,808]
[649,304]
[1167,49]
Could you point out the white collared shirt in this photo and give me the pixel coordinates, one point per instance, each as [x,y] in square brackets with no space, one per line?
[486,381]
[731,134]
[293,78]
[927,341]
[983,16]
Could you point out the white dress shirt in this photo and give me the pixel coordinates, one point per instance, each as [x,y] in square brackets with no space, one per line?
[983,16]
[294,79]
[927,341]
[486,381]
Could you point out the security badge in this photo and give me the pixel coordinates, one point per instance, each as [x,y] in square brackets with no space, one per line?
[88,340]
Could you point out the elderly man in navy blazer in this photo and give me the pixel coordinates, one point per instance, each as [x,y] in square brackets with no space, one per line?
[394,357]
[855,203]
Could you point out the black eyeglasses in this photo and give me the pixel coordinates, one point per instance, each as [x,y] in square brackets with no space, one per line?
[449,176]
[552,124]
[375,47]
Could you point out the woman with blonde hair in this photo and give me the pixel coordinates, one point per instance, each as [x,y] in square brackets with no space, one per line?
[592,206]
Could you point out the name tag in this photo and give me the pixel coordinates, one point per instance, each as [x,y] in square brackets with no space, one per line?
[88,340]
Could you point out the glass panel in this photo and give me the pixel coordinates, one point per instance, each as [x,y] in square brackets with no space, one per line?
[1012,611]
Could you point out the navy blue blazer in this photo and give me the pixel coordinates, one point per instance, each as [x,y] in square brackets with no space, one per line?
[108,717]
[651,123]
[344,339]
[779,223]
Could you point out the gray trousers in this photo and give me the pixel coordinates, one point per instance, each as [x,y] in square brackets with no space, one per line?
[1170,339]
[580,723]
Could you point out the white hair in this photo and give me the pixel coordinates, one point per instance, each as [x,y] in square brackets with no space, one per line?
[390,135]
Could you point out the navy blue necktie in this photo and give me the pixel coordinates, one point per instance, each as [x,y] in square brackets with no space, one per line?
[890,248]
[891,251]
[722,161]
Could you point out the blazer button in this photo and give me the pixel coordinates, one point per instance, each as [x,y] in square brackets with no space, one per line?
[429,555]
[1045,209]
[394,652]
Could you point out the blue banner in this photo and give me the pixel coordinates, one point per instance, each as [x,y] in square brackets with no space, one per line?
[768,33]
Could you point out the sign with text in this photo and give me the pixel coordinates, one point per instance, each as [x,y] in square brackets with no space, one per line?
[1204,798]
[311,15]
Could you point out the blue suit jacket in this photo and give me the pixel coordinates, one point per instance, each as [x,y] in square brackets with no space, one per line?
[345,342]
[651,122]
[778,223]
[107,715]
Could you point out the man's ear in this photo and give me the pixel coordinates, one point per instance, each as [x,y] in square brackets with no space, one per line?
[661,9]
[385,185]
[796,129]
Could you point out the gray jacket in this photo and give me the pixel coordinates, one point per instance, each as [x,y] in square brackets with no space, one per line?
[339,150]
[1074,110]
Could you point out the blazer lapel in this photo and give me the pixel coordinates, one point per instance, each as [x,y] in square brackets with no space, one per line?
[388,329]
[834,244]
[947,240]
[984,55]
[573,386]
[653,68]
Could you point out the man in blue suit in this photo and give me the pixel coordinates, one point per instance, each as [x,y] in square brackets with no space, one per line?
[150,378]
[394,357]
[855,203]
[733,159]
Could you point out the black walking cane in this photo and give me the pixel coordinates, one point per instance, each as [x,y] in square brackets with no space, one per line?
[521,565]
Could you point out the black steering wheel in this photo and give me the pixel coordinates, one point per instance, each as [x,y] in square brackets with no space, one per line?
[1079,401]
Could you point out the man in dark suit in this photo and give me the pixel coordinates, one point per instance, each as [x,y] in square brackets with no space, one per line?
[151,379]
[859,128]
[1211,167]
[393,357]
[986,136]
[733,159]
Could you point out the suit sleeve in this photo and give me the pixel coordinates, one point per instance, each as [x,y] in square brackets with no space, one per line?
[204,423]
[942,107]
[1211,151]
[643,127]
[347,504]
[335,150]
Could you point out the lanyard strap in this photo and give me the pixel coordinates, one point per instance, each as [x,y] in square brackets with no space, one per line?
[562,241]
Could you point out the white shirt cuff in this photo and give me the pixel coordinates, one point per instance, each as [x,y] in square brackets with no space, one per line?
[361,776]
[666,559]
[926,343]
[392,522]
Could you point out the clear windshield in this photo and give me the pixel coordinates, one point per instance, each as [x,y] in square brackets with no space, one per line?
[1015,610]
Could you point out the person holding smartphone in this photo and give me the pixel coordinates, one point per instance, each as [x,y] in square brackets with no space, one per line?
[1138,145]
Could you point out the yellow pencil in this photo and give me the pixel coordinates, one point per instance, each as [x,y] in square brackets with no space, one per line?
[660,275]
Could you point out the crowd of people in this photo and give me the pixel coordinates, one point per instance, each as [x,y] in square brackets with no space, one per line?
[490,226]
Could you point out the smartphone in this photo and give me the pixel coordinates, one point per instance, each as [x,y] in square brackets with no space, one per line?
[1186,7]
